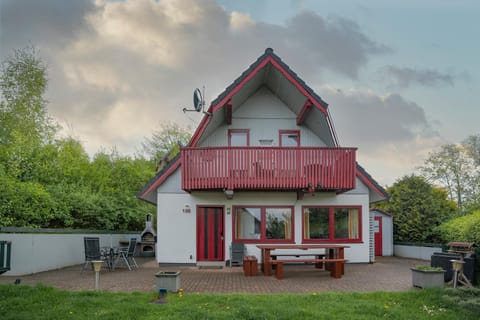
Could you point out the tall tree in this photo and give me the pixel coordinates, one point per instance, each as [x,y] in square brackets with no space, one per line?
[418,208]
[25,126]
[23,82]
[166,142]
[455,168]
[472,145]
[53,183]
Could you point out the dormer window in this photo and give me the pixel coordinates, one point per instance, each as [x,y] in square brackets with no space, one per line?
[289,138]
[238,138]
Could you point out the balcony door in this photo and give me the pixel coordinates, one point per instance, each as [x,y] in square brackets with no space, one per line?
[210,234]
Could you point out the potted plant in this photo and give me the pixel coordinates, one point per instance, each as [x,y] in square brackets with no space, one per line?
[427,277]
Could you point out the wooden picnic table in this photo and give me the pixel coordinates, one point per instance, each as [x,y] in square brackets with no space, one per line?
[333,259]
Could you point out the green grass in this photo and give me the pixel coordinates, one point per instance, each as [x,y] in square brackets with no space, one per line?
[41,302]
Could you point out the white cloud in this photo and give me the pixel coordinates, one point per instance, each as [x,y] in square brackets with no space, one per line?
[406,77]
[392,134]
[123,67]
[240,21]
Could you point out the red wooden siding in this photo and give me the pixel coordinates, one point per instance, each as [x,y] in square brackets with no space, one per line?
[254,168]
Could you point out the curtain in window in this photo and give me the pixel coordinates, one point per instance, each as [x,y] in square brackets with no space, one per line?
[288,227]
[353,224]
[306,224]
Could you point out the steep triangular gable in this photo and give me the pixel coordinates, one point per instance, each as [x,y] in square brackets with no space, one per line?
[223,100]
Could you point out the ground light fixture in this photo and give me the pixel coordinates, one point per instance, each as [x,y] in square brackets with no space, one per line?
[97,266]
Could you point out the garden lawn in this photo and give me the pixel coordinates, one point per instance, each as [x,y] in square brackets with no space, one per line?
[41,302]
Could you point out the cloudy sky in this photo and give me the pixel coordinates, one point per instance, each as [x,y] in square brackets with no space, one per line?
[401,77]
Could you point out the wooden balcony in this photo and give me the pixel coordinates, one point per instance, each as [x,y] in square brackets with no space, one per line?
[268,168]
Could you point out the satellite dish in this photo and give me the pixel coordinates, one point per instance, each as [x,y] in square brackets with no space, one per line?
[198,102]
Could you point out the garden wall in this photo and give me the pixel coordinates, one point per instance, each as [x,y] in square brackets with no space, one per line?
[36,250]
[415,251]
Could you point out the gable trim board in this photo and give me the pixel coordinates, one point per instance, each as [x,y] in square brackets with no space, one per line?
[158,179]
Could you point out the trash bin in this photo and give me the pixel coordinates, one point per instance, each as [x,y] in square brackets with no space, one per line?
[246,265]
[169,280]
[250,266]
[443,260]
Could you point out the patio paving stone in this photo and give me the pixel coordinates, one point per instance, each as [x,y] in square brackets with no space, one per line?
[386,274]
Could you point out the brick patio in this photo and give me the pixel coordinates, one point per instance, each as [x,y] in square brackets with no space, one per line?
[386,274]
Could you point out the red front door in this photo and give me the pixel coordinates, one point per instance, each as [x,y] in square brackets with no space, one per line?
[377,226]
[210,234]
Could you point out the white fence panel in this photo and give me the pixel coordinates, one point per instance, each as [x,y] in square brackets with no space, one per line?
[37,252]
[414,252]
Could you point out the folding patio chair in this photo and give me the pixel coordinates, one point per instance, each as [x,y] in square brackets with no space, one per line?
[237,252]
[126,255]
[93,252]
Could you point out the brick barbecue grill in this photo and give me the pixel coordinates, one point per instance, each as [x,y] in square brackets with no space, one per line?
[148,238]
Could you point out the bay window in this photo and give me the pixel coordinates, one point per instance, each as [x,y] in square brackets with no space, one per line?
[263,224]
[332,224]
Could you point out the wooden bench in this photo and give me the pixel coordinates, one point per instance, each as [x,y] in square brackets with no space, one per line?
[335,266]
[297,255]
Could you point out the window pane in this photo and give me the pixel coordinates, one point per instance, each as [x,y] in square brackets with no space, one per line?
[346,223]
[247,223]
[238,139]
[279,223]
[317,223]
[289,139]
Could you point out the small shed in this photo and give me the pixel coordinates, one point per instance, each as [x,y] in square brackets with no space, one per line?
[381,232]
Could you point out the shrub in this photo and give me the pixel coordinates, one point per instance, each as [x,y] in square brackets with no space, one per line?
[465,228]
[428,268]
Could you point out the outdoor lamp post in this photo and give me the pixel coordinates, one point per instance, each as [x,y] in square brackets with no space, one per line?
[97,265]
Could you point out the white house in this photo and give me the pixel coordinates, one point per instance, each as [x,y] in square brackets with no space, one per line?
[263,166]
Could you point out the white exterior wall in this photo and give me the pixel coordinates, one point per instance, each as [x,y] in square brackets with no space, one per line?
[387,238]
[264,115]
[372,239]
[176,229]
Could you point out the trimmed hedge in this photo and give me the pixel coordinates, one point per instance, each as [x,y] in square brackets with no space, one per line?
[465,228]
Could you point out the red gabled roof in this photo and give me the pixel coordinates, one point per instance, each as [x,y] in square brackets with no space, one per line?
[382,211]
[159,178]
[366,178]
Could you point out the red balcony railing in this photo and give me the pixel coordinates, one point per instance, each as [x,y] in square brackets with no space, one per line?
[273,168]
